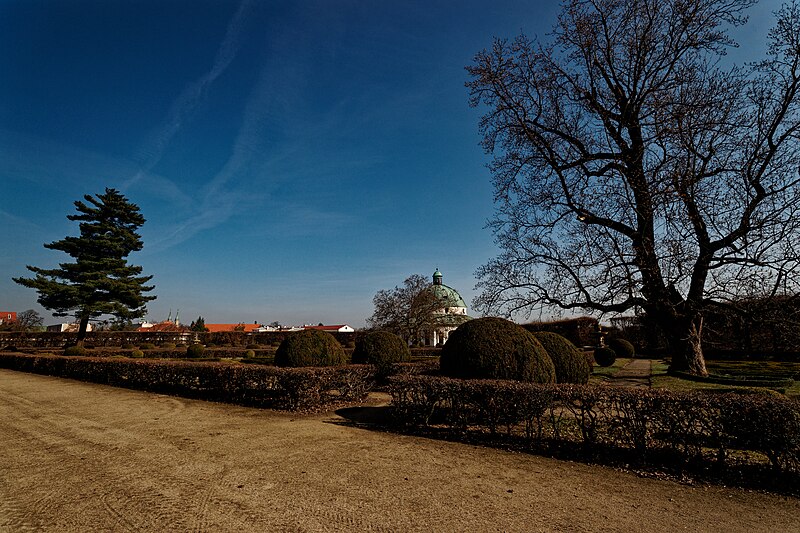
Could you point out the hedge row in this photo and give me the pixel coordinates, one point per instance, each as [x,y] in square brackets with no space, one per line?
[653,426]
[259,385]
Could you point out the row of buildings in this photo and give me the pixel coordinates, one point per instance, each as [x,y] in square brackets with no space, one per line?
[452,314]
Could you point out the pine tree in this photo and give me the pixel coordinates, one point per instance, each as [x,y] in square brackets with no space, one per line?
[100,281]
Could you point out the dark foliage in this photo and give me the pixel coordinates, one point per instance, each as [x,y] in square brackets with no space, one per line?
[604,356]
[581,331]
[310,347]
[195,350]
[258,385]
[622,347]
[494,348]
[382,349]
[570,364]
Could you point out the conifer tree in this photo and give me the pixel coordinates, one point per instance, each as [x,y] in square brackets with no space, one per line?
[100,281]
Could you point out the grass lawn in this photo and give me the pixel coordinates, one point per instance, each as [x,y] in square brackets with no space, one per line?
[773,369]
[604,373]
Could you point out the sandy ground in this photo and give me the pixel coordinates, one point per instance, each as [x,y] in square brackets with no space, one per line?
[85,457]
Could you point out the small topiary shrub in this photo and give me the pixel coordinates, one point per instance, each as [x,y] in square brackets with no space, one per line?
[570,364]
[147,346]
[622,348]
[604,356]
[137,354]
[382,349]
[249,353]
[494,348]
[128,346]
[76,351]
[195,350]
[310,347]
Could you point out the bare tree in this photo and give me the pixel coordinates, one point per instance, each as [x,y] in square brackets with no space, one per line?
[28,320]
[406,311]
[632,171]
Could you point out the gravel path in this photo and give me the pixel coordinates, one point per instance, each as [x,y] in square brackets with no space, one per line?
[84,457]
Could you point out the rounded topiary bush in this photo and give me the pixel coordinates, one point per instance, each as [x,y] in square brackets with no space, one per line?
[128,346]
[249,353]
[195,350]
[382,349]
[74,351]
[570,364]
[137,354]
[147,346]
[604,356]
[622,348]
[310,347]
[494,348]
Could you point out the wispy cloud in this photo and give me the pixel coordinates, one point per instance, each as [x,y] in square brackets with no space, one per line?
[182,108]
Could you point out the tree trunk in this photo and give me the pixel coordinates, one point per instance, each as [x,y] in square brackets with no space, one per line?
[83,326]
[684,338]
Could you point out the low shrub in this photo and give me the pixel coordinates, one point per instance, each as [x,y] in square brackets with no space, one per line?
[195,350]
[249,353]
[147,346]
[310,347]
[604,356]
[622,348]
[128,346]
[168,345]
[382,349]
[294,389]
[570,364]
[253,346]
[75,351]
[494,348]
[137,354]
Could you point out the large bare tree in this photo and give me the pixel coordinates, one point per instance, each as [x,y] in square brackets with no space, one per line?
[633,171]
[408,311]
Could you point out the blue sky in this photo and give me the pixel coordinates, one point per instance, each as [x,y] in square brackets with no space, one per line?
[291,158]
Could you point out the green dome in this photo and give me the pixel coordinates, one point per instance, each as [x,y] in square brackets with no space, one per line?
[448,295]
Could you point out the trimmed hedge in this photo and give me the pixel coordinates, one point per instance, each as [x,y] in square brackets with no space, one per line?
[258,385]
[382,349]
[195,350]
[495,348]
[310,347]
[570,364]
[604,356]
[622,347]
[671,429]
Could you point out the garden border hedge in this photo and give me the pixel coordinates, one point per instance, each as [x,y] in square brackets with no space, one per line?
[294,389]
[666,429]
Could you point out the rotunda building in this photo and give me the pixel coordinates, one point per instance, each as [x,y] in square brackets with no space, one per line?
[452,314]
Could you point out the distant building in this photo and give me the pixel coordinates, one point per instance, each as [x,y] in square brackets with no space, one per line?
[449,317]
[68,328]
[7,317]
[340,328]
[247,328]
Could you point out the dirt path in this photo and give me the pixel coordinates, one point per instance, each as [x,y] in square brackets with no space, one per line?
[84,457]
[635,373]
